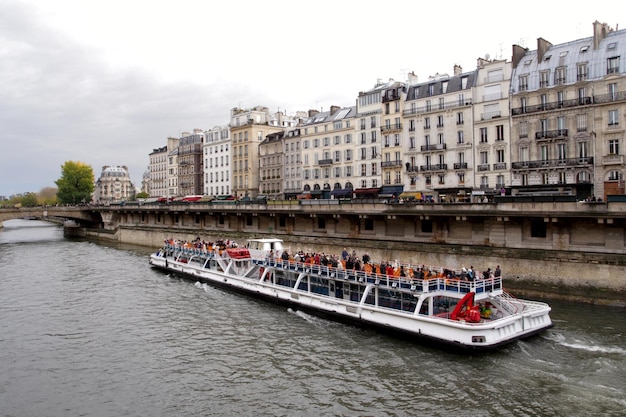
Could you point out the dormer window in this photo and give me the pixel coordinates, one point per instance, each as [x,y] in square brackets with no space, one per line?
[584,48]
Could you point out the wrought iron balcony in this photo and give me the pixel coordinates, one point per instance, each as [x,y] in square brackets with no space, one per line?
[460,165]
[582,101]
[391,128]
[483,167]
[551,134]
[547,163]
[434,167]
[328,161]
[433,147]
[387,164]
[499,166]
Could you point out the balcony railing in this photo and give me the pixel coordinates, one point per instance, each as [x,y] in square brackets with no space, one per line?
[551,134]
[328,161]
[433,147]
[387,164]
[431,108]
[608,98]
[460,165]
[483,167]
[545,163]
[434,167]
[499,166]
[391,128]
[581,101]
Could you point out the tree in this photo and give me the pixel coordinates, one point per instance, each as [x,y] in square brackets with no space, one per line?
[76,184]
[142,195]
[48,196]
[29,200]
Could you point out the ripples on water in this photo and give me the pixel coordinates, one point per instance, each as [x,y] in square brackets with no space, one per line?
[87,329]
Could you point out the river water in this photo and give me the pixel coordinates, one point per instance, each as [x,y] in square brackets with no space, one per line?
[90,329]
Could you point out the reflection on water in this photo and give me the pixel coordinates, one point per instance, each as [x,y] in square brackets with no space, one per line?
[91,329]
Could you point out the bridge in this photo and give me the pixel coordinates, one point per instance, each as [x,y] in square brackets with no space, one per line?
[79,214]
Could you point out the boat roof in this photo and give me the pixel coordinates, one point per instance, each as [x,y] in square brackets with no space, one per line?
[265,240]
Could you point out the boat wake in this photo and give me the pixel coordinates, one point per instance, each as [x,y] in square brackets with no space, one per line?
[587,346]
[203,286]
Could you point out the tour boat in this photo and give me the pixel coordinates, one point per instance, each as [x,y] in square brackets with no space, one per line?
[474,314]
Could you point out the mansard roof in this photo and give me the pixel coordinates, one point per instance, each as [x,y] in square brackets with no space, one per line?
[456,83]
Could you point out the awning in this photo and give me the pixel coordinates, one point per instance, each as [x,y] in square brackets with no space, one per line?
[391,190]
[367,191]
[411,194]
[345,192]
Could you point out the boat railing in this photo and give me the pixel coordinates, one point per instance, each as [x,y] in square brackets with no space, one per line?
[393,282]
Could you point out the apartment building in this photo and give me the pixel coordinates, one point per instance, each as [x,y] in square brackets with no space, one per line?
[567,110]
[368,144]
[157,172]
[190,163]
[327,152]
[393,99]
[272,157]
[439,119]
[248,129]
[217,161]
[491,150]
[172,167]
[113,185]
[292,172]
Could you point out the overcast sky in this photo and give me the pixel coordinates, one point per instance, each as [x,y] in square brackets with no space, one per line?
[106,82]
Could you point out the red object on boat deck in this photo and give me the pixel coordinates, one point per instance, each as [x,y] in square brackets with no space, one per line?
[237,253]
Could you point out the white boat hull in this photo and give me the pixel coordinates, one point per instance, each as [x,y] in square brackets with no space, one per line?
[485,335]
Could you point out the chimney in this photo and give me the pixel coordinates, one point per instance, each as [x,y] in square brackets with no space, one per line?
[518,54]
[458,70]
[600,30]
[412,78]
[313,112]
[542,46]
[333,109]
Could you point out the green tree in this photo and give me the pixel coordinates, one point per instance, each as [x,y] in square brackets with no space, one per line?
[76,183]
[29,200]
[142,195]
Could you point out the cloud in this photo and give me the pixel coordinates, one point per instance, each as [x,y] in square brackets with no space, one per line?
[60,101]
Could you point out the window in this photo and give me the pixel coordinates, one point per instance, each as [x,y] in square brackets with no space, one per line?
[612,90]
[459,118]
[499,132]
[613,146]
[426,122]
[523,129]
[484,158]
[544,79]
[500,155]
[581,72]
[439,121]
[613,118]
[483,135]
[561,150]
[559,76]
[614,176]
[583,149]
[545,152]
[581,123]
[613,65]
[523,82]
[460,137]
